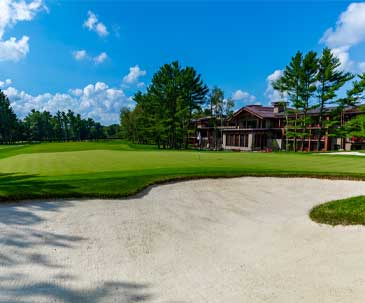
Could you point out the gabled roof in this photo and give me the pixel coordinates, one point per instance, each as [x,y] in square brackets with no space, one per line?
[267,112]
[259,111]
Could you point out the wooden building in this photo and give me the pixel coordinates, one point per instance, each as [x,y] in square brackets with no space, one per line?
[263,128]
[253,128]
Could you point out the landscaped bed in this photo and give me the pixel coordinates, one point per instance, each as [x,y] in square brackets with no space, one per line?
[349,211]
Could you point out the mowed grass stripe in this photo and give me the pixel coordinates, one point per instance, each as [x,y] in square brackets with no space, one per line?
[118,169]
[79,162]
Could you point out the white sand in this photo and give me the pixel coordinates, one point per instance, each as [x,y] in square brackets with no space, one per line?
[216,241]
[354,153]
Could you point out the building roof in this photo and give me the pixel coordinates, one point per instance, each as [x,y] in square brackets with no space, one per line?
[259,111]
[206,118]
[267,112]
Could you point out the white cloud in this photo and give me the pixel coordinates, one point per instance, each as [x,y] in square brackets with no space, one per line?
[91,21]
[11,12]
[240,95]
[133,76]
[101,29]
[101,58]
[350,27]
[92,24]
[14,50]
[80,54]
[5,83]
[97,101]
[342,53]
[270,93]
[348,32]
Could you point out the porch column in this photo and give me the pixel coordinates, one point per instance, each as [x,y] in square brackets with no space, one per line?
[309,140]
[250,141]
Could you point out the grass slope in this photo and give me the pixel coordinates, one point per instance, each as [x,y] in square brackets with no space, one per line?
[117,169]
[341,212]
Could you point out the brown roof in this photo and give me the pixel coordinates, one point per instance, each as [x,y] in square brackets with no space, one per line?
[257,110]
[267,112]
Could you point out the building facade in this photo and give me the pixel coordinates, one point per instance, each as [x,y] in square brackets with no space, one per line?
[264,128]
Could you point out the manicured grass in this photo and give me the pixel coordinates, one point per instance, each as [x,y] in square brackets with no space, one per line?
[341,212]
[117,168]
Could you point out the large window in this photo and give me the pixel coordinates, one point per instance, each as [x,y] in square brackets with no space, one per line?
[244,140]
[260,140]
[233,140]
[252,124]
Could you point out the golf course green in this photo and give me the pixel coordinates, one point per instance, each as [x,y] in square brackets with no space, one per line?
[113,169]
[349,211]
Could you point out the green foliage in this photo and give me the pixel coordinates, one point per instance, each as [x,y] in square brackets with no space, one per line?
[341,212]
[355,127]
[228,107]
[64,126]
[43,126]
[9,125]
[216,102]
[290,81]
[308,76]
[330,79]
[356,94]
[163,114]
[299,84]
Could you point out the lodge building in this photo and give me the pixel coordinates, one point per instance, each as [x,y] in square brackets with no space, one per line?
[262,128]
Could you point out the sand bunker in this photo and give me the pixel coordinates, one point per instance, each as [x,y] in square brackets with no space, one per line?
[354,153]
[223,240]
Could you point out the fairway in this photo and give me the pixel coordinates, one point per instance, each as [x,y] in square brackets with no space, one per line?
[117,169]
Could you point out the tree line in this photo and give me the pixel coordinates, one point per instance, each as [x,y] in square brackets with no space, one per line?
[177,95]
[43,126]
[164,113]
[311,82]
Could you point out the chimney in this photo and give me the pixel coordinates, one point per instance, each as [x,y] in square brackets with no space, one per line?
[279,106]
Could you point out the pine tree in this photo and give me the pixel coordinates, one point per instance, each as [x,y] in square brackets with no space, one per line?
[281,86]
[330,79]
[291,81]
[308,81]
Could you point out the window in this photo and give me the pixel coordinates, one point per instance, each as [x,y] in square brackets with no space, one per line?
[236,138]
[244,140]
[252,124]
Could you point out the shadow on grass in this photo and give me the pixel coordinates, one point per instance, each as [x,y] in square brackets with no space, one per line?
[14,187]
[122,184]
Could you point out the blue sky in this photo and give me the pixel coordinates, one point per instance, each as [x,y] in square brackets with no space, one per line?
[91,56]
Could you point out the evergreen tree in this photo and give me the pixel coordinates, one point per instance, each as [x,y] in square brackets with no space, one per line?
[216,103]
[281,86]
[166,109]
[308,82]
[8,120]
[291,82]
[330,79]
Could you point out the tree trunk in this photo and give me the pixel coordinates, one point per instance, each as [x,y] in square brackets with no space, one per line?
[304,129]
[295,132]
